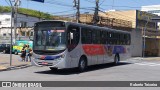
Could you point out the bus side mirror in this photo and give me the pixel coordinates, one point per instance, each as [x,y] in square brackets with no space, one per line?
[71,35]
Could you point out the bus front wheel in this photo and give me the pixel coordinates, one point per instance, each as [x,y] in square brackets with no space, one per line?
[82,64]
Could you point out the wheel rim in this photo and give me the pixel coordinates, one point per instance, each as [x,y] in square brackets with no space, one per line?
[82,64]
[116,60]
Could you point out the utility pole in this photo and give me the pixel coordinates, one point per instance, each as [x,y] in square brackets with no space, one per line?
[96,18]
[13,24]
[77,5]
[16,4]
[12,17]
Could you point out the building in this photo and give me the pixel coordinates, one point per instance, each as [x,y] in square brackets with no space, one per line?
[143,31]
[154,9]
[24,25]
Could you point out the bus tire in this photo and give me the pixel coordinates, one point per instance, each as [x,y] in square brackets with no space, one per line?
[116,59]
[53,69]
[82,64]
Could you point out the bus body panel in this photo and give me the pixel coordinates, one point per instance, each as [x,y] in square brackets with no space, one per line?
[74,56]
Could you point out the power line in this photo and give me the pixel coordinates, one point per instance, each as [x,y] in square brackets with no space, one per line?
[59,4]
[90,1]
[63,11]
[7,2]
[121,6]
[101,2]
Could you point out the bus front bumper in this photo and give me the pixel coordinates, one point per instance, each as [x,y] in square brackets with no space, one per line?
[50,63]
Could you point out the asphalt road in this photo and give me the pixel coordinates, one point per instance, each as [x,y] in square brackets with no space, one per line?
[126,71]
[130,70]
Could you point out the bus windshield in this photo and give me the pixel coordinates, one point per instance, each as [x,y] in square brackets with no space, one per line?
[49,38]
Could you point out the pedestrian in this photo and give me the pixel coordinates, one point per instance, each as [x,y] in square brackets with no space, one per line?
[23,53]
[29,53]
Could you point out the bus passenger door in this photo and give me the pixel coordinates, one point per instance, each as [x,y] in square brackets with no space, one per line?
[74,50]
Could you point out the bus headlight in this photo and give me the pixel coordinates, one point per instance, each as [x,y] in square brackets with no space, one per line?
[60,57]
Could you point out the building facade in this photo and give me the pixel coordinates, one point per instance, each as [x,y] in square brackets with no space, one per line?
[142,29]
[154,9]
[24,26]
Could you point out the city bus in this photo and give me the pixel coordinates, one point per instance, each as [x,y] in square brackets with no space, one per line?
[62,44]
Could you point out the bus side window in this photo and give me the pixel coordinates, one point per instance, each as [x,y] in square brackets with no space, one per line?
[83,35]
[89,37]
[103,37]
[94,36]
[99,41]
[73,37]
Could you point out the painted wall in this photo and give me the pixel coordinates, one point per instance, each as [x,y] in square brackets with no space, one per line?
[5,19]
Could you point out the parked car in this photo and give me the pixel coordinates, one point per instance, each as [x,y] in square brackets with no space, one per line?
[5,48]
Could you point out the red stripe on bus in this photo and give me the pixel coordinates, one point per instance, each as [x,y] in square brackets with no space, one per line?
[94,49]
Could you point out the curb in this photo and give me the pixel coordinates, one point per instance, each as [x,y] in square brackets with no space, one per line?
[15,67]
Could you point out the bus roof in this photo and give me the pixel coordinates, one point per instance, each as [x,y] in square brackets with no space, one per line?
[80,24]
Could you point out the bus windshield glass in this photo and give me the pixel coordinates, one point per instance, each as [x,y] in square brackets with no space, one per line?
[49,38]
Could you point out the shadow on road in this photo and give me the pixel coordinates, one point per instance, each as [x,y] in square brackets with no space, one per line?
[75,70]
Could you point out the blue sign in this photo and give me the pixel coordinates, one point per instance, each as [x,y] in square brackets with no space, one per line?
[39,1]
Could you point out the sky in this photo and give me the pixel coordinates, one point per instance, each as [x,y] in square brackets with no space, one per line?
[65,7]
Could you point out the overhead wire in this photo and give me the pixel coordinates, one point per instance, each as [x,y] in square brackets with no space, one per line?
[89,1]
[8,3]
[101,2]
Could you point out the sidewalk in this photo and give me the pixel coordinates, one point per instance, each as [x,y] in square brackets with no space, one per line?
[146,58]
[16,63]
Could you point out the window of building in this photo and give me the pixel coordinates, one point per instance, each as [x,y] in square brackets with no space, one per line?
[4,34]
[23,24]
[23,33]
[7,19]
[9,34]
[31,33]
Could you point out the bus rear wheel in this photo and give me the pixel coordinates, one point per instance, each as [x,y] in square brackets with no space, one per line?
[82,64]
[116,59]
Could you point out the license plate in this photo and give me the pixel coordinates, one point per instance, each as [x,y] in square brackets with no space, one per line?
[45,63]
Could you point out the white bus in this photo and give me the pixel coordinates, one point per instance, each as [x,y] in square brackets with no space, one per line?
[60,44]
